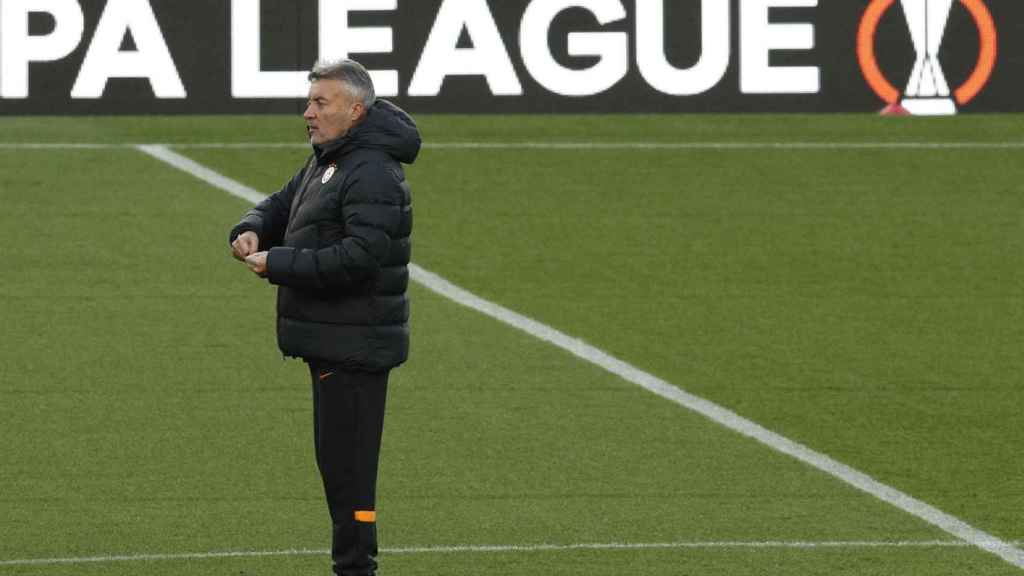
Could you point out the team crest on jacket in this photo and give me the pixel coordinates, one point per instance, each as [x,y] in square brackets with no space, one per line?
[328,173]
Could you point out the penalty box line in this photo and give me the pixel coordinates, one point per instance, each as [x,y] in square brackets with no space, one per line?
[507,548]
[714,412]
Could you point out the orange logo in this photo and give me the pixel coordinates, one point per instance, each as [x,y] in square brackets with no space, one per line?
[927,89]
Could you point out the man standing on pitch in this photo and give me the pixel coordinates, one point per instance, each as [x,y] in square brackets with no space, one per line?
[335,240]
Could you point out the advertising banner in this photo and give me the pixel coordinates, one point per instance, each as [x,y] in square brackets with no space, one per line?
[515,56]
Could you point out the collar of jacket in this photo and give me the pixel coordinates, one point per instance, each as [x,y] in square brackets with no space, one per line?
[329,150]
[386,127]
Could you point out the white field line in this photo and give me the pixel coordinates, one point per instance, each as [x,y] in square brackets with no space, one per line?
[506,548]
[60,146]
[212,178]
[727,418]
[581,145]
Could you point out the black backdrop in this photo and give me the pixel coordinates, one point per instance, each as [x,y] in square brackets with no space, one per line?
[198,36]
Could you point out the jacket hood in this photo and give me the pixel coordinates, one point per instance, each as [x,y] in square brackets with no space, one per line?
[386,127]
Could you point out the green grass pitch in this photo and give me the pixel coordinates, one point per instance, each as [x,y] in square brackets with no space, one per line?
[865,302]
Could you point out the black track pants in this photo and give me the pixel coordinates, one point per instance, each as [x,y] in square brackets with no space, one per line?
[348,421]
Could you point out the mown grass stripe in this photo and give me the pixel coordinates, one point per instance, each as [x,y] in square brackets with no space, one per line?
[581,145]
[714,412]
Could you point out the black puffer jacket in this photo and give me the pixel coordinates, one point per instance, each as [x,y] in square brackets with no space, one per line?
[338,236]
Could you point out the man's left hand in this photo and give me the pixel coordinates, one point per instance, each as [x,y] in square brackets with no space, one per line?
[257,263]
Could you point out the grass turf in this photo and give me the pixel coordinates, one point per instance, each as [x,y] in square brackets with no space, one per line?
[840,298]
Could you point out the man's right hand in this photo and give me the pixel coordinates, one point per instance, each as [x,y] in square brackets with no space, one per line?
[247,243]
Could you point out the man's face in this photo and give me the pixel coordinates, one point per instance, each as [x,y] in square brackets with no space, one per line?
[331,111]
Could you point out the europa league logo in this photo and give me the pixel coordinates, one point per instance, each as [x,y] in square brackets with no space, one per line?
[928,91]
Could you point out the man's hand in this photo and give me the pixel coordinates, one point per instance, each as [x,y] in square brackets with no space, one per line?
[245,245]
[257,263]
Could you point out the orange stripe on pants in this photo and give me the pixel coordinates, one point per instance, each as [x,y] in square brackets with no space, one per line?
[366,516]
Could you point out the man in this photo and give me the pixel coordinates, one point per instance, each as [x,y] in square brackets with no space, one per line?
[335,240]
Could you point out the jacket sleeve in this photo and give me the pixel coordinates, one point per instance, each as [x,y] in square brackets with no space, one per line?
[371,212]
[269,218]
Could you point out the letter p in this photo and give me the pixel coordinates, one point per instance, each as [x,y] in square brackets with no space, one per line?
[18,48]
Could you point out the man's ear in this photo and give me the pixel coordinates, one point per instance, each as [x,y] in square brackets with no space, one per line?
[358,111]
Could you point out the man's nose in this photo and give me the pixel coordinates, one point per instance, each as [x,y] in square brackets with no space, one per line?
[308,114]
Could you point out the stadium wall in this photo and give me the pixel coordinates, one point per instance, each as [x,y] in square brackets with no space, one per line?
[515,56]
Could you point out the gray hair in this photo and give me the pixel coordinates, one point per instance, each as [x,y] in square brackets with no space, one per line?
[351,73]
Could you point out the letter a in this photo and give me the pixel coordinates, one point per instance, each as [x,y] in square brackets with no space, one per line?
[104,59]
[488,56]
